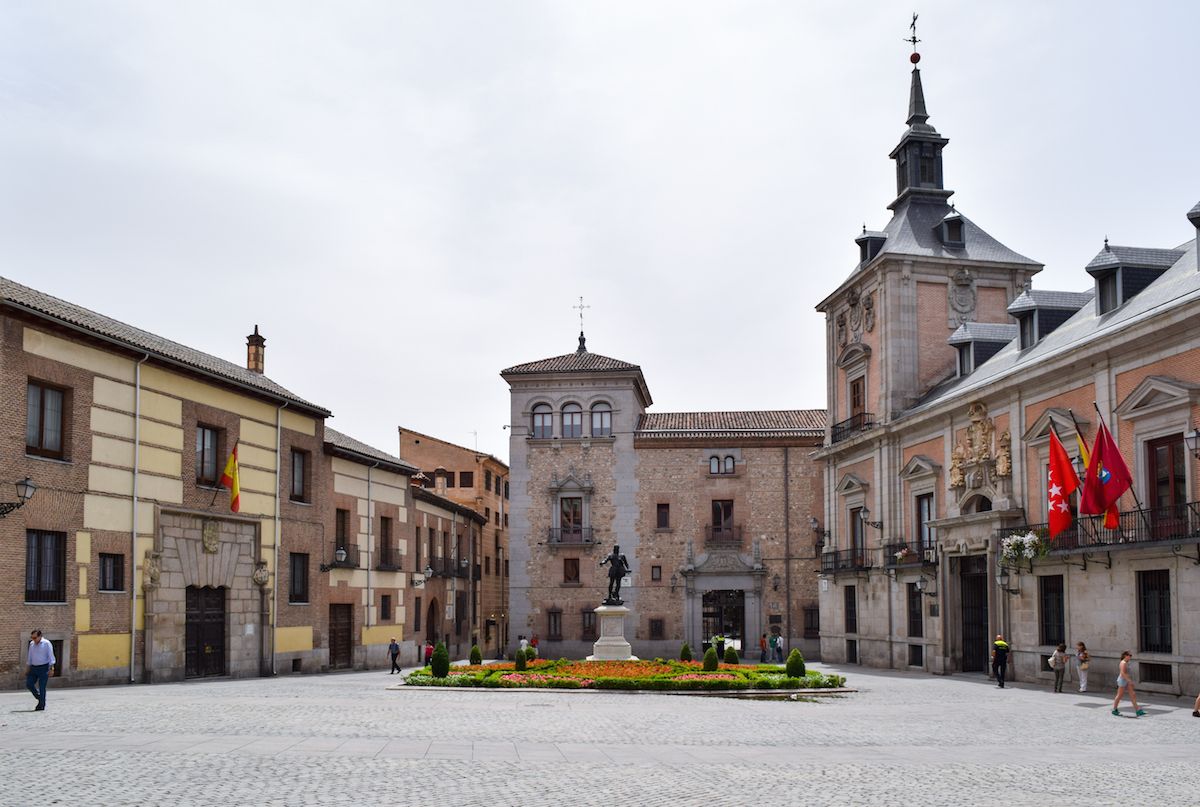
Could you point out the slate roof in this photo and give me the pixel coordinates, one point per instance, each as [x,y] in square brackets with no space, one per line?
[1037,298]
[1113,256]
[912,232]
[984,332]
[348,445]
[1177,286]
[748,425]
[54,309]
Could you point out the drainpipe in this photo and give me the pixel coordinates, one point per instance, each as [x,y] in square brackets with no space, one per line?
[370,523]
[278,531]
[137,445]
[787,546]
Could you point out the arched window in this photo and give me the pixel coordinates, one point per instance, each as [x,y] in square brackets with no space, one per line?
[729,465]
[543,424]
[601,420]
[572,415]
[714,465]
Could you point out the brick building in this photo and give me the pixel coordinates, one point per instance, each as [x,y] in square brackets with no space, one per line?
[712,510]
[480,483]
[128,555]
[947,370]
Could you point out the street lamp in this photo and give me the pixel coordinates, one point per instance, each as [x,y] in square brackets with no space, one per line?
[864,514]
[25,491]
[923,585]
[1002,579]
[1193,442]
[339,557]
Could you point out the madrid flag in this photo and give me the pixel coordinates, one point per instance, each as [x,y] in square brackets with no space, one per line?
[1107,478]
[1061,482]
[229,479]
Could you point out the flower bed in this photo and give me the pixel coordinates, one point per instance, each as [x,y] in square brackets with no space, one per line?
[656,675]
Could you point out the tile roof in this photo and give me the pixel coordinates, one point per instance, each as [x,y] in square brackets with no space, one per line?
[581,361]
[761,424]
[1178,285]
[1030,299]
[912,231]
[984,332]
[45,305]
[1113,256]
[348,444]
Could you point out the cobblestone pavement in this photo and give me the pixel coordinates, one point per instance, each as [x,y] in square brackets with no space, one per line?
[354,739]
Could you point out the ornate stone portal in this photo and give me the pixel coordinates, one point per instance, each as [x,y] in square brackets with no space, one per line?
[977,466]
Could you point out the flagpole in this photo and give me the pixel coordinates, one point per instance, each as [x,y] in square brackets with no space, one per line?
[1132,489]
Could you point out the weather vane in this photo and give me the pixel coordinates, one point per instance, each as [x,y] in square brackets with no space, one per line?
[916,57]
[581,307]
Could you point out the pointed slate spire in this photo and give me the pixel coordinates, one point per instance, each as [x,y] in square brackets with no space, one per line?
[916,100]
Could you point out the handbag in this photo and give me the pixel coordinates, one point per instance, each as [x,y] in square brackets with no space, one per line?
[1083,665]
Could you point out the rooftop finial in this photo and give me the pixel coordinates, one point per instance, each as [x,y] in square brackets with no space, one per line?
[1106,249]
[582,341]
[916,57]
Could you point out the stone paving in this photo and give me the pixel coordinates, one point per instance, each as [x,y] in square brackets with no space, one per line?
[354,739]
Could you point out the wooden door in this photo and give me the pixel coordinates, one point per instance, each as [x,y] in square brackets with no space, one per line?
[204,632]
[341,631]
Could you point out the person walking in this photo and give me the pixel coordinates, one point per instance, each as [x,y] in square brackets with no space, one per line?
[779,647]
[41,663]
[1083,660]
[533,642]
[394,652]
[1058,663]
[1125,684]
[762,649]
[428,651]
[1000,650]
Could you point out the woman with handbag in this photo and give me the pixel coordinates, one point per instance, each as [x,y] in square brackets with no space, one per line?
[1082,659]
[1058,663]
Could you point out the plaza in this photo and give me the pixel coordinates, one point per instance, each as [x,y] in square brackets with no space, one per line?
[357,738]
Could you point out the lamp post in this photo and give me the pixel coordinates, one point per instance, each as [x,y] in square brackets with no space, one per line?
[1193,442]
[1002,579]
[25,491]
[864,515]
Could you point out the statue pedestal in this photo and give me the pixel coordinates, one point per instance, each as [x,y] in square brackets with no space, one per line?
[611,646]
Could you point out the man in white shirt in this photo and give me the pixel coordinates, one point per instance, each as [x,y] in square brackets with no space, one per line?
[41,666]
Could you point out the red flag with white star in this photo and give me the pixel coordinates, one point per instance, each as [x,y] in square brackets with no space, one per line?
[1061,482]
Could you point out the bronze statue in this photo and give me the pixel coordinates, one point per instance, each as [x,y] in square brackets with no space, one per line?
[618,567]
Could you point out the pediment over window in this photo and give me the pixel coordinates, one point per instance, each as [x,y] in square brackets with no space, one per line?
[574,481]
[853,354]
[918,467]
[1059,418]
[851,484]
[1157,393]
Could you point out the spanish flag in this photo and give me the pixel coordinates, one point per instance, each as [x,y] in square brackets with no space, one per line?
[229,479]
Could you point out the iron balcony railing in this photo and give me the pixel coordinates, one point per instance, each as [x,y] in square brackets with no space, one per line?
[446,567]
[389,559]
[909,553]
[1150,525]
[723,535]
[847,428]
[846,560]
[343,556]
[571,535]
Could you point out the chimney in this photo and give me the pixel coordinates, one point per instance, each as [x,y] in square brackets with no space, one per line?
[255,350]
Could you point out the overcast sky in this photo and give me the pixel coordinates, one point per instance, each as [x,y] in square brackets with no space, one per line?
[409,197]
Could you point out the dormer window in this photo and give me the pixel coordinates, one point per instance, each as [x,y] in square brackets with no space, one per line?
[1123,272]
[966,363]
[1108,291]
[1028,325]
[954,231]
[950,230]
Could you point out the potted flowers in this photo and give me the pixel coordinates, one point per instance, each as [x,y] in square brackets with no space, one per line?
[902,555]
[1020,547]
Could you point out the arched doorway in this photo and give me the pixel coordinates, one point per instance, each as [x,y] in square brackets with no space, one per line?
[432,621]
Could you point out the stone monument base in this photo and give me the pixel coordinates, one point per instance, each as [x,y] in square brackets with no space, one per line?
[611,646]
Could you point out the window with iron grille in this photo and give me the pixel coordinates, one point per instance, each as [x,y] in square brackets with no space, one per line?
[45,566]
[1154,612]
[851,603]
[1149,673]
[812,623]
[657,629]
[298,577]
[554,625]
[1051,610]
[112,572]
[588,620]
[916,621]
[45,411]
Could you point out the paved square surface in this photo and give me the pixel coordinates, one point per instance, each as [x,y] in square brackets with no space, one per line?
[351,739]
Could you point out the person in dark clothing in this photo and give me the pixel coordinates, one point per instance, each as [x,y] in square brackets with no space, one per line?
[1000,651]
[394,652]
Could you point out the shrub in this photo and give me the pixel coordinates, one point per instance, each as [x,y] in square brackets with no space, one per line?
[521,664]
[731,656]
[795,664]
[476,655]
[710,659]
[685,652]
[530,654]
[440,664]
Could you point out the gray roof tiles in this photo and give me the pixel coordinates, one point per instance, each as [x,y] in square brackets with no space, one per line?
[1039,298]
[136,339]
[912,231]
[349,444]
[739,424]
[984,332]
[1112,256]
